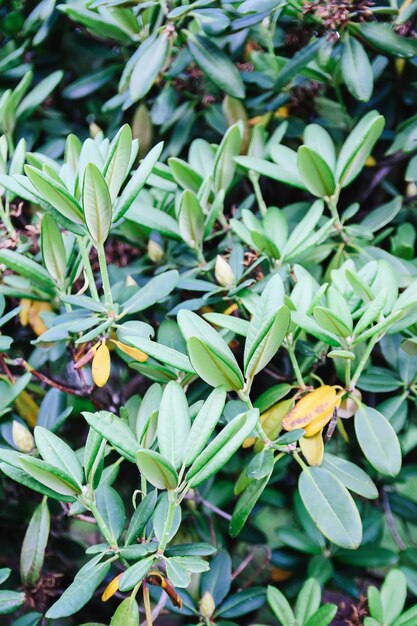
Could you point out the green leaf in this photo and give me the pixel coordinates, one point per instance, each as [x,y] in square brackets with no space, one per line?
[10,601]
[245,504]
[50,476]
[229,322]
[126,614]
[375,603]
[384,38]
[316,174]
[393,595]
[115,430]
[223,446]
[357,70]
[134,574]
[267,328]
[224,162]
[331,507]
[185,175]
[96,203]
[177,573]
[28,268]
[39,93]
[160,516]
[53,249]
[330,322]
[112,510]
[193,326]
[378,441]
[151,58]
[17,474]
[173,424]
[157,470]
[350,475]
[216,65]
[55,194]
[323,616]
[358,146]
[204,424]
[34,544]
[154,291]
[137,182]
[408,618]
[56,452]
[117,163]
[191,220]
[140,517]
[297,63]
[280,606]
[308,600]
[81,589]
[162,353]
[212,366]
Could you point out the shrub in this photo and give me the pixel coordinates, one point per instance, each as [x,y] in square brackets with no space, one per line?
[208,344]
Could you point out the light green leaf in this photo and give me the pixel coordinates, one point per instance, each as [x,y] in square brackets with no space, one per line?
[316,174]
[204,424]
[350,475]
[51,476]
[81,589]
[126,614]
[223,446]
[115,430]
[357,70]
[157,470]
[308,600]
[154,291]
[53,249]
[191,219]
[97,204]
[55,194]
[173,424]
[378,441]
[134,574]
[331,507]
[215,64]
[34,544]
[358,146]
[280,606]
[56,452]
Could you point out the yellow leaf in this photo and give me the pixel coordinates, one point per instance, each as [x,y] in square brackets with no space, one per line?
[271,421]
[27,408]
[111,588]
[313,449]
[315,406]
[135,353]
[100,368]
[25,305]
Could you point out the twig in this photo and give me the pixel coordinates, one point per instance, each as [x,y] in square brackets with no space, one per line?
[211,507]
[51,382]
[243,564]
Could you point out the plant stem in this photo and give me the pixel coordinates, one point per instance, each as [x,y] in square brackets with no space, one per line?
[147,605]
[300,461]
[258,428]
[254,178]
[87,268]
[100,522]
[363,362]
[168,522]
[296,367]
[105,278]
[4,214]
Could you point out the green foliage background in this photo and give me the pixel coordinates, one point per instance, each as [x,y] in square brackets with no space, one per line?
[208,211]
